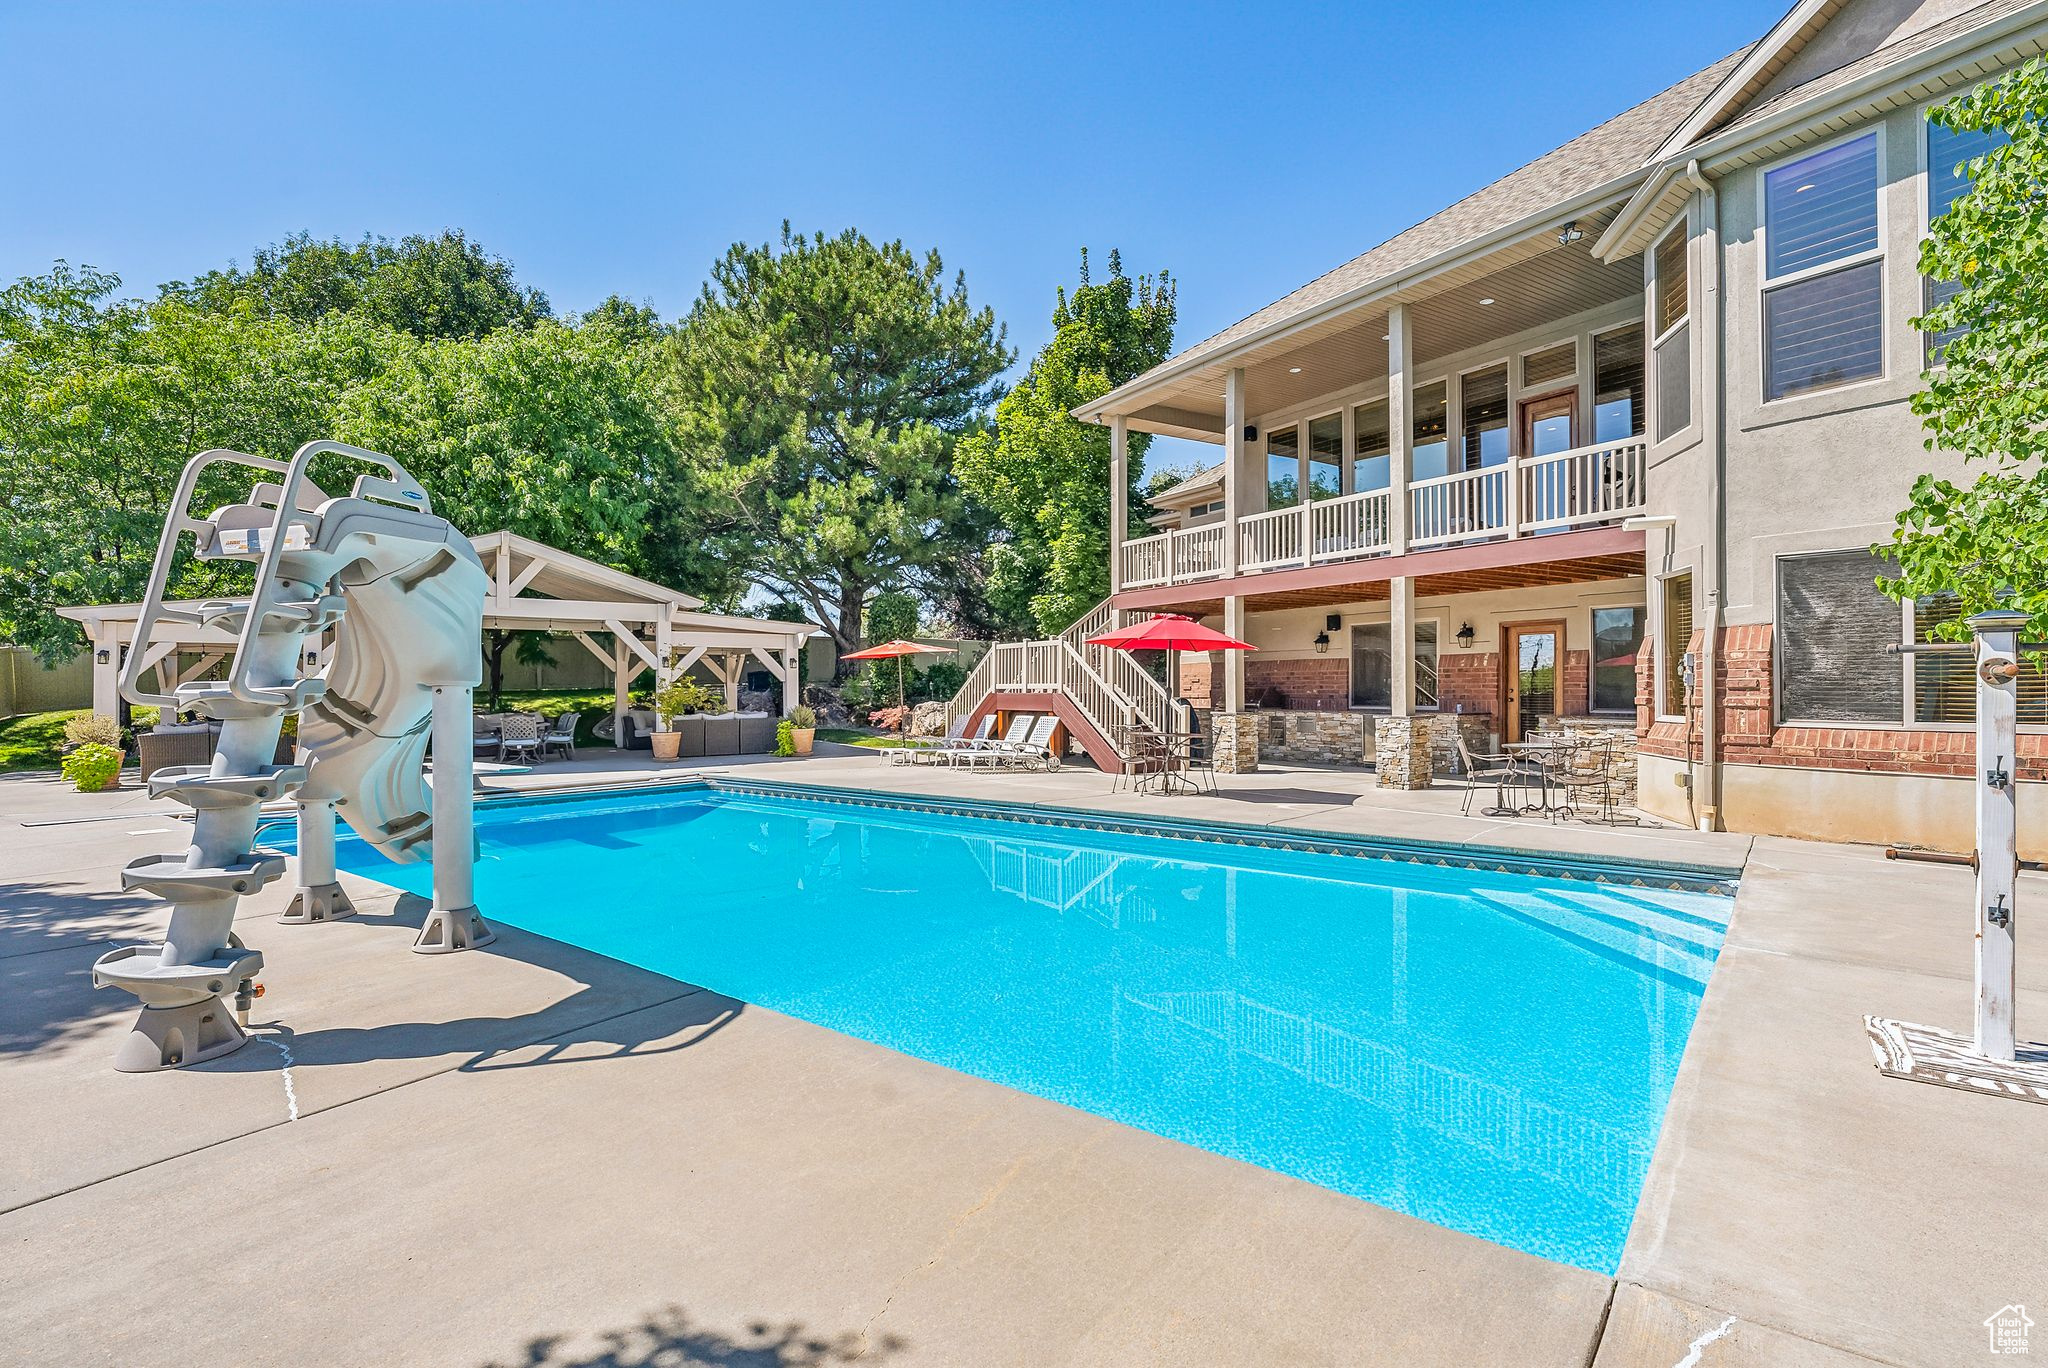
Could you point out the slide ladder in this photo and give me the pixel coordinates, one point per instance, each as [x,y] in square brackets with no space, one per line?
[403,593]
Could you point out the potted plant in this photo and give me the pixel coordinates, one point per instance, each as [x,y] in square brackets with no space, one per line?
[803,728]
[93,767]
[682,697]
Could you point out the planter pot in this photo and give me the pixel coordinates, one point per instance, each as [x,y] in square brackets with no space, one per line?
[803,737]
[667,744]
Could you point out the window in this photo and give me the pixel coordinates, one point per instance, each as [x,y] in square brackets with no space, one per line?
[1486,417]
[1823,271]
[1430,454]
[1832,630]
[1372,665]
[1677,640]
[1326,456]
[1373,448]
[1283,467]
[1944,687]
[1948,152]
[1618,384]
[1203,510]
[1550,365]
[1617,637]
[1670,299]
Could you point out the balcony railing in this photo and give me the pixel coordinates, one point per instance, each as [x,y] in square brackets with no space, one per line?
[1577,488]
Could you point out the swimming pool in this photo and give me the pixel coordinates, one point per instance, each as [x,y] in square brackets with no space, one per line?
[1489,1049]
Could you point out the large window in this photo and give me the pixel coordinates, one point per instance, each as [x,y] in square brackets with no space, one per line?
[1618,384]
[1948,156]
[1541,369]
[1326,456]
[1944,687]
[1373,451]
[1823,271]
[1372,665]
[1675,641]
[1833,628]
[1429,455]
[1617,637]
[1486,417]
[1283,467]
[1671,326]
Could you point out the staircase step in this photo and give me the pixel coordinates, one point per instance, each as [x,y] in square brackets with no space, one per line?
[168,877]
[196,786]
[138,969]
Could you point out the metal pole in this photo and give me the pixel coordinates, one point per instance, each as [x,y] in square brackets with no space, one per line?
[1997,852]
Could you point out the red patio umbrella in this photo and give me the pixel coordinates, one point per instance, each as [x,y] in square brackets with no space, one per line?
[896,650]
[1170,632]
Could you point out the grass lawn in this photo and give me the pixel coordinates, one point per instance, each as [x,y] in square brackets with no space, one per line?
[858,736]
[595,705]
[31,740]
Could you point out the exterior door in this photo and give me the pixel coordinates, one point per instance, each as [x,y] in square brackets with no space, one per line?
[1547,424]
[1533,655]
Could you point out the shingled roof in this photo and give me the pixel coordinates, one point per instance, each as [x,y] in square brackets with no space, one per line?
[1601,156]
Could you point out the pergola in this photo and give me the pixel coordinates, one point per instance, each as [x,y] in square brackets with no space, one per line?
[625,621]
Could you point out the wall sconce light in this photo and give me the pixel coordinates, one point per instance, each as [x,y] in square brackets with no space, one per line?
[103,657]
[1322,643]
[1251,432]
[1466,636]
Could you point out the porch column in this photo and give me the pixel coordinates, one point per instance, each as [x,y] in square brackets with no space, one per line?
[1401,750]
[1400,427]
[1119,497]
[621,654]
[1234,482]
[1232,661]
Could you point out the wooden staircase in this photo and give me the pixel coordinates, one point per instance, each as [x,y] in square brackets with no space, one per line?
[1096,691]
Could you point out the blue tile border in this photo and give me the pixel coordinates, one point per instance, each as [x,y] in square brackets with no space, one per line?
[1666,875]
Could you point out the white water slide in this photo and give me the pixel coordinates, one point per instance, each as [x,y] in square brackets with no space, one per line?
[403,592]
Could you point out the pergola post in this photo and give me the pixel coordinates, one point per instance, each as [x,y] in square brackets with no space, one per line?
[620,678]
[792,677]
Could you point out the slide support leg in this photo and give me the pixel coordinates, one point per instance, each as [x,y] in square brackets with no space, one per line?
[454,923]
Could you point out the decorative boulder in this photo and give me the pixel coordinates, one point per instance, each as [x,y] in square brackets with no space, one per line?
[759,700]
[928,719]
[827,704]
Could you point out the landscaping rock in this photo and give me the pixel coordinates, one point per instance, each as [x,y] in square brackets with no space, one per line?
[928,719]
[827,704]
[759,700]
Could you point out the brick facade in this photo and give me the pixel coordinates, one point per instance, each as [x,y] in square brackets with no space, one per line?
[1744,694]
[1318,684]
[1470,679]
[1196,677]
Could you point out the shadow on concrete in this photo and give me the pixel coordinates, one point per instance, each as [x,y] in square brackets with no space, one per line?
[1297,796]
[45,914]
[608,1015]
[669,1339]
[47,998]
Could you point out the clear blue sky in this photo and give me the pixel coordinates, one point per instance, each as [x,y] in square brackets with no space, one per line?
[622,147]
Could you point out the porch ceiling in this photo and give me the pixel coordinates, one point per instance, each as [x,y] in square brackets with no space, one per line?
[1532,283]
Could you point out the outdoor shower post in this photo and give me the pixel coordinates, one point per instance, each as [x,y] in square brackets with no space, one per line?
[1997,853]
[453,923]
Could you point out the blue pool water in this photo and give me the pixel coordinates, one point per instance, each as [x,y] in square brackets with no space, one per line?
[1492,1052]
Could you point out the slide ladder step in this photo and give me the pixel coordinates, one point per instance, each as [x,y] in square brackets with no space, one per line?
[228,615]
[196,786]
[170,878]
[139,969]
[218,702]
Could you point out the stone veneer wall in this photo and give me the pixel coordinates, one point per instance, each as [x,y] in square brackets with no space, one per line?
[1402,752]
[1621,757]
[1312,738]
[1443,737]
[1234,742]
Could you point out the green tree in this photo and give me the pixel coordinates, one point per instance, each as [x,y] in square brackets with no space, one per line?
[829,379]
[892,616]
[1985,540]
[441,286]
[554,432]
[1045,473]
[101,404]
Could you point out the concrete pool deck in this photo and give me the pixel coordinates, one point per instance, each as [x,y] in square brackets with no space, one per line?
[534,1155]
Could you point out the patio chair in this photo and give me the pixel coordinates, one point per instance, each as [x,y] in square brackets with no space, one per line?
[561,736]
[1499,770]
[1585,776]
[519,734]
[919,750]
[992,750]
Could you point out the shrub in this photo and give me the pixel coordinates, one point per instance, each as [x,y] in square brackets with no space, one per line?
[889,719]
[941,680]
[785,738]
[92,729]
[683,697]
[803,718]
[92,766]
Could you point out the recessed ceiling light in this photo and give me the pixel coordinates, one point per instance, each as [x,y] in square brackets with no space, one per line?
[1487,300]
[1294,370]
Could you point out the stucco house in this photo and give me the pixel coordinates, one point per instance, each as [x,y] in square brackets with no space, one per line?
[1608,440]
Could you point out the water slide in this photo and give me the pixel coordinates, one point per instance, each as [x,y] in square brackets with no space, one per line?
[403,593]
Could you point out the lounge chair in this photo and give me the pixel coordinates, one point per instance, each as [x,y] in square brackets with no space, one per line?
[919,750]
[1036,750]
[990,751]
